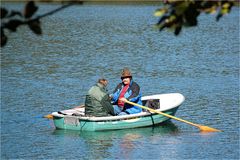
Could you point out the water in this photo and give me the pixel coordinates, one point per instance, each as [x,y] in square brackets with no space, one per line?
[52,72]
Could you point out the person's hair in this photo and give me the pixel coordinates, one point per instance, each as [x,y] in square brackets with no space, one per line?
[126,73]
[103,81]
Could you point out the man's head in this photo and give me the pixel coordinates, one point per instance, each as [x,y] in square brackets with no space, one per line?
[103,81]
[126,76]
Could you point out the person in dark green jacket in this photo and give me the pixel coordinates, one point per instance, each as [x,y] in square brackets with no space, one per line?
[97,102]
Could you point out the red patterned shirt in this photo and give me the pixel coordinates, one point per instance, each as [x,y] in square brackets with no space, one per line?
[124,90]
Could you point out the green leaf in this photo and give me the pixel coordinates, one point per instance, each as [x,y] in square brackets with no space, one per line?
[226,5]
[160,12]
[177,30]
[35,26]
[3,38]
[181,7]
[224,11]
[13,24]
[30,9]
[4,12]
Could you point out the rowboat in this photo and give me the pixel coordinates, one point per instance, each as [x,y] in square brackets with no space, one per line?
[75,119]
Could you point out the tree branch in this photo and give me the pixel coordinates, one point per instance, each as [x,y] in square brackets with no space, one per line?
[34,23]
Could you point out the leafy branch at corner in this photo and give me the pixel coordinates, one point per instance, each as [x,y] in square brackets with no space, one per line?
[175,14]
[11,20]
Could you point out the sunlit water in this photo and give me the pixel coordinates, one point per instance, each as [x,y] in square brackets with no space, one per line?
[52,72]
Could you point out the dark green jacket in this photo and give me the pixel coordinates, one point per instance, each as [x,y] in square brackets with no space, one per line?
[97,102]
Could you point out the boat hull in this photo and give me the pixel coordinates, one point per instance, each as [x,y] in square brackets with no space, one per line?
[76,123]
[75,119]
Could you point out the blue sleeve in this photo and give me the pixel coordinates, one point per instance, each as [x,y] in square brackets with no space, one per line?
[116,93]
[135,93]
[115,96]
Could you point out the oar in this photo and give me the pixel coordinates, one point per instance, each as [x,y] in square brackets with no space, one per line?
[49,116]
[202,128]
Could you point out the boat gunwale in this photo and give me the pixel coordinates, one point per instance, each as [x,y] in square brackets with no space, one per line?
[122,117]
[110,118]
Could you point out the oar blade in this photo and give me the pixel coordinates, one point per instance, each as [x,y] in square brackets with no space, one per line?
[208,129]
[202,128]
[49,116]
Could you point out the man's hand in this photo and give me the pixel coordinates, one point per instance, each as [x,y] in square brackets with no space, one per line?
[123,99]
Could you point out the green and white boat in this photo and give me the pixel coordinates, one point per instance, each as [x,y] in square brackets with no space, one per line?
[74,119]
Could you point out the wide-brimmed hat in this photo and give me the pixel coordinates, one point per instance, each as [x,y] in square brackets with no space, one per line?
[126,73]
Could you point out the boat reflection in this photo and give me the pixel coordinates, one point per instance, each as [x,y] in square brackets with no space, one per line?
[119,143]
[163,128]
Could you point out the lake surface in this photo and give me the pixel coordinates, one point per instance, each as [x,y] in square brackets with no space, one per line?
[52,72]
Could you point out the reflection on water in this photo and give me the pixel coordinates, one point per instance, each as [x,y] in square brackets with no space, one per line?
[122,142]
[164,128]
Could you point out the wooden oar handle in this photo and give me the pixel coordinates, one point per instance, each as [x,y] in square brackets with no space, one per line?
[202,128]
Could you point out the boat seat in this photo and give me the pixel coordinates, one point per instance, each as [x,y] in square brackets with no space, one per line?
[151,103]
